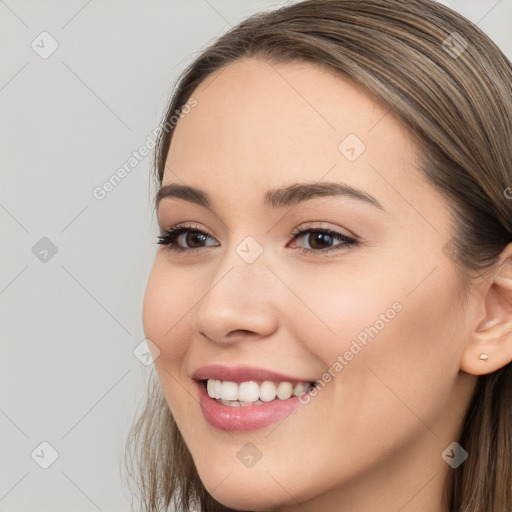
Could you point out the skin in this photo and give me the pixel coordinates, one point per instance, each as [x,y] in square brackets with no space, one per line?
[372,438]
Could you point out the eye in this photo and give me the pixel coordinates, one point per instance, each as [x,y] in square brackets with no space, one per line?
[184,239]
[190,239]
[320,240]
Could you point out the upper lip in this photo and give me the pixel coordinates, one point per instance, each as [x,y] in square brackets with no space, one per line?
[243,373]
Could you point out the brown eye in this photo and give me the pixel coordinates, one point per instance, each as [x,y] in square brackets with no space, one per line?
[183,239]
[320,240]
[193,238]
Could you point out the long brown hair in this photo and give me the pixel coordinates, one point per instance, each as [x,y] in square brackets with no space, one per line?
[452,87]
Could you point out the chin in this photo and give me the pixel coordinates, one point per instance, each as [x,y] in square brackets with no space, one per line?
[244,490]
[241,499]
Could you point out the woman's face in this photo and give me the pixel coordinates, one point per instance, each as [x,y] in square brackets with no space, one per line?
[372,311]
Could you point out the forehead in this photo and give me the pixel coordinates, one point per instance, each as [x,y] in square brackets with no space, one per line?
[259,124]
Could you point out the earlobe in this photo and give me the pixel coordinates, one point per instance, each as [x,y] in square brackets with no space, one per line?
[490,347]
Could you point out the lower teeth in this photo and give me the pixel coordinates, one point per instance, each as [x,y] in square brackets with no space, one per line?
[237,403]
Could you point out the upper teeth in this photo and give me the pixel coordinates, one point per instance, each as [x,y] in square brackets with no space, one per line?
[251,391]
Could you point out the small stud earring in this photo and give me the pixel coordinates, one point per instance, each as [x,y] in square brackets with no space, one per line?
[484,357]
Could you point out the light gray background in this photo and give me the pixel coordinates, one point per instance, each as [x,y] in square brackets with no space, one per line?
[70,324]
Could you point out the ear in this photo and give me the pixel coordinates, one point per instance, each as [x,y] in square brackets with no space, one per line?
[492,336]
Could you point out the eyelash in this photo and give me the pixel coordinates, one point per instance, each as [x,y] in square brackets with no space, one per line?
[168,239]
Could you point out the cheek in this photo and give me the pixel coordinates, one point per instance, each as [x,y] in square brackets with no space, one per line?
[418,357]
[386,343]
[167,301]
[406,313]
[164,315]
[340,311]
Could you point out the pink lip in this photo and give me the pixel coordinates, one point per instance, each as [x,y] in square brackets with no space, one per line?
[243,419]
[243,374]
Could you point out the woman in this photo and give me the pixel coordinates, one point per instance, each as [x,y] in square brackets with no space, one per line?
[329,309]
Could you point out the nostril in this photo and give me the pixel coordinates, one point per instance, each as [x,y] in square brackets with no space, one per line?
[239,332]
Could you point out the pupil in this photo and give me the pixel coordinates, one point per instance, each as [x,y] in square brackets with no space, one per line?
[320,237]
[193,238]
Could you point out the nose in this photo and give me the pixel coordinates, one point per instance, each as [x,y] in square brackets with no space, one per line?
[239,302]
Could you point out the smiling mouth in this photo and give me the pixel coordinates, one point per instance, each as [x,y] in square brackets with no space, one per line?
[243,394]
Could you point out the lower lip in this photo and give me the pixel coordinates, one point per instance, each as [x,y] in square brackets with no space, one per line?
[243,419]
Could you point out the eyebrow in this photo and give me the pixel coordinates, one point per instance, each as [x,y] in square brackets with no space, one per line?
[276,198]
